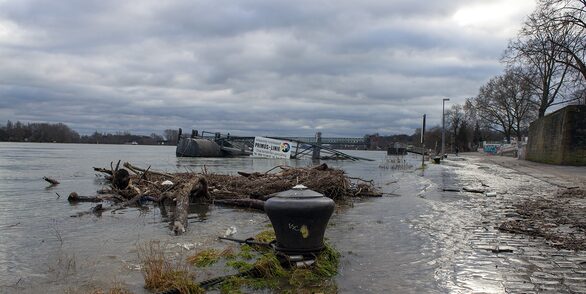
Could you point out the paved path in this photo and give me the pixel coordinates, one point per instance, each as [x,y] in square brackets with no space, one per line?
[559,175]
[476,257]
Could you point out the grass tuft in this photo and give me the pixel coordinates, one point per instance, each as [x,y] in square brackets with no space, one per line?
[266,236]
[205,257]
[160,274]
[326,264]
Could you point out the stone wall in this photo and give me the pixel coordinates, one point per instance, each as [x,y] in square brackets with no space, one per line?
[559,137]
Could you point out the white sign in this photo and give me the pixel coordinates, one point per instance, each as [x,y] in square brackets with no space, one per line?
[271,148]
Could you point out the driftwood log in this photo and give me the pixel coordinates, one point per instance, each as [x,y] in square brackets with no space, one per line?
[51,181]
[244,203]
[74,198]
[195,190]
[98,209]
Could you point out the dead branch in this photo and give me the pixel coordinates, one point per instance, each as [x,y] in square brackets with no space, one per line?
[143,176]
[103,170]
[131,167]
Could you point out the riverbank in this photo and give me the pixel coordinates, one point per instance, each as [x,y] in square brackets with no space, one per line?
[508,226]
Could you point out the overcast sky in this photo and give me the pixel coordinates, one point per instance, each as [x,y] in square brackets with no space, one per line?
[260,67]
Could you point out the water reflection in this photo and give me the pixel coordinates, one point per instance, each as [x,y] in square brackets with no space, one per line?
[200,210]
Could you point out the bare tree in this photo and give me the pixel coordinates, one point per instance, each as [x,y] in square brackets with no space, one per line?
[538,56]
[456,119]
[504,104]
[564,22]
[171,136]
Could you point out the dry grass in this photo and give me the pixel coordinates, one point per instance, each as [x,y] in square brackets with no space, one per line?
[161,274]
[117,289]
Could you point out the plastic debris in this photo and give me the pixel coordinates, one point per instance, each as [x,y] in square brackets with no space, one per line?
[230,231]
[167,183]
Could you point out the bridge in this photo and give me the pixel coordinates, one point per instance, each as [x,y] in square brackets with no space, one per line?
[325,140]
[310,140]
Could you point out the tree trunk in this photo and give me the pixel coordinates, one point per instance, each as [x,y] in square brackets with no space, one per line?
[197,189]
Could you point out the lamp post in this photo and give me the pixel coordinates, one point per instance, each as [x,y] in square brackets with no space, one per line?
[444,126]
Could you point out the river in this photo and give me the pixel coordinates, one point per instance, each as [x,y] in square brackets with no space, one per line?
[44,249]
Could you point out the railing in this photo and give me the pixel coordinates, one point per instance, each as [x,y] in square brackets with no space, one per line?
[346,141]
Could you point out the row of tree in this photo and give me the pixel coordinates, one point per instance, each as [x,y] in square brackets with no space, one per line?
[38,132]
[545,66]
[61,133]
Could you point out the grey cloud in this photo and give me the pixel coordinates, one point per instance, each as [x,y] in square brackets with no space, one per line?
[249,67]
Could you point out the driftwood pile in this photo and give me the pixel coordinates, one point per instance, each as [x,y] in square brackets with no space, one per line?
[132,186]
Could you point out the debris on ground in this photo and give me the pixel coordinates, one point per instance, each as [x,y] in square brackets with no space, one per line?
[561,220]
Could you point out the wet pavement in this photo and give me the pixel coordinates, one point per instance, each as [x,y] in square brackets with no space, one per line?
[475,257]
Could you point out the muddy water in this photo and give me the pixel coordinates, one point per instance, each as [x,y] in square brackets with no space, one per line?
[44,249]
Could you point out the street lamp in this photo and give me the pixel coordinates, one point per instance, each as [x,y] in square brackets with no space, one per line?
[444,125]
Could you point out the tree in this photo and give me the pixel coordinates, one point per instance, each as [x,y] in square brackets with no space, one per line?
[156,138]
[463,137]
[564,22]
[3,134]
[477,135]
[504,104]
[172,136]
[455,119]
[433,138]
[538,56]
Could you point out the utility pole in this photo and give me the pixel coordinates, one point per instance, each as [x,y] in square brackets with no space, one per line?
[444,126]
[423,143]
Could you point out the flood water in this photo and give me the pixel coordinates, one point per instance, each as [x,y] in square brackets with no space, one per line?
[44,249]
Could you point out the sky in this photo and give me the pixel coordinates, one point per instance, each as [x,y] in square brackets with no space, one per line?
[248,67]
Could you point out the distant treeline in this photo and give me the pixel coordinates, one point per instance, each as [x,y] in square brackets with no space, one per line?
[61,133]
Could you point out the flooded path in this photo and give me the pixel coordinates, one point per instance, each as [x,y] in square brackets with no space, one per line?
[474,255]
[417,239]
